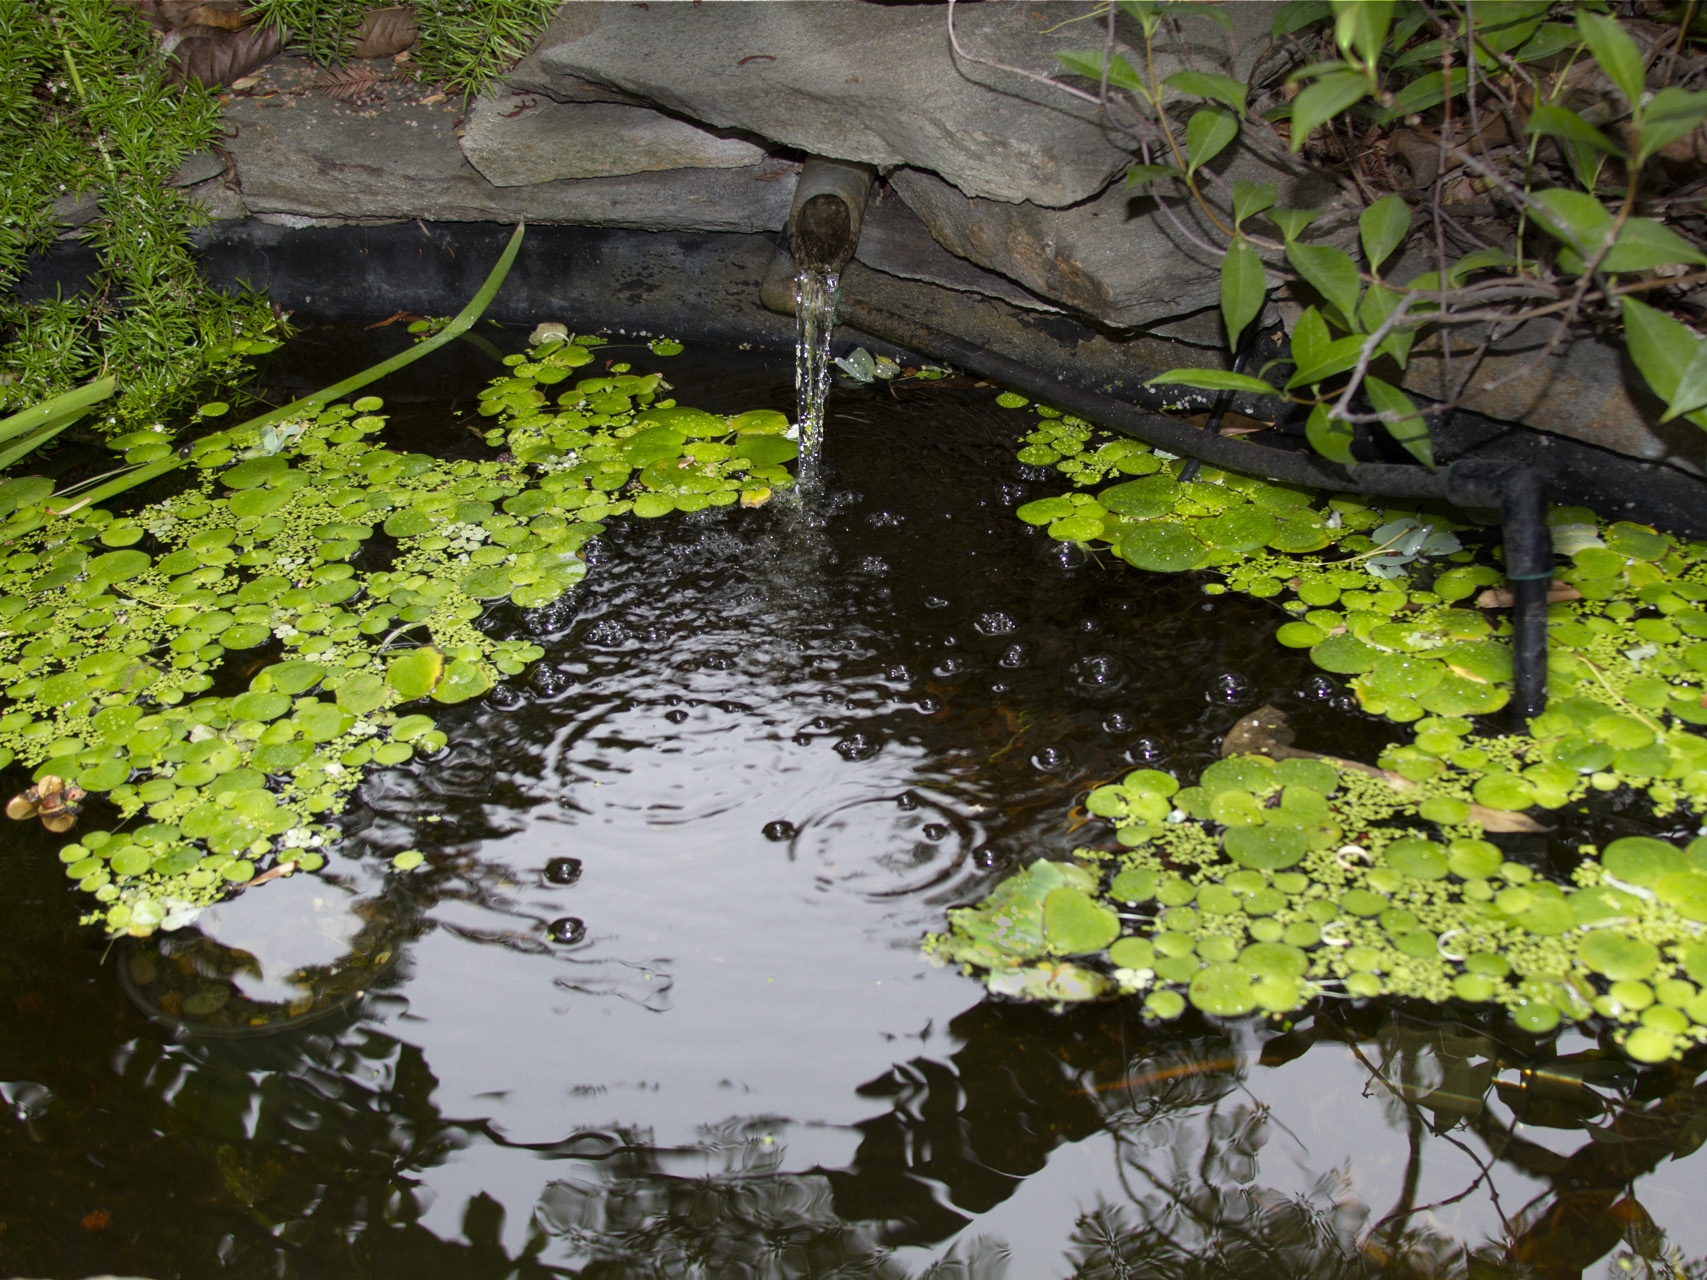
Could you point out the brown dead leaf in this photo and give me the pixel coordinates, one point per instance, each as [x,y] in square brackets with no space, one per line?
[1264,732]
[1502,598]
[217,58]
[385,32]
[346,84]
[226,17]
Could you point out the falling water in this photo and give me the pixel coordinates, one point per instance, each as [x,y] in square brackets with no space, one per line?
[814,319]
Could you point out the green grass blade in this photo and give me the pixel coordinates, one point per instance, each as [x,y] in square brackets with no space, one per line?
[73,403]
[36,438]
[463,321]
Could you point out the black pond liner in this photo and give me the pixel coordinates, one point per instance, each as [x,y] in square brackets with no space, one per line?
[707,286]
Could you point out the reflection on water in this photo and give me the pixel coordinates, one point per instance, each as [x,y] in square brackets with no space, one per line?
[654,1005]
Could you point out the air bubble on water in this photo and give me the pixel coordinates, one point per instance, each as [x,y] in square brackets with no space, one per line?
[550,680]
[996,623]
[1017,656]
[1064,555]
[949,666]
[1345,702]
[505,697]
[929,705]
[907,801]
[677,716]
[1089,626]
[899,673]
[858,746]
[1318,689]
[1148,750]
[998,688]
[935,830]
[780,831]
[562,872]
[874,564]
[566,930]
[27,1099]
[607,633]
[1117,722]
[1228,688]
[1099,672]
[935,602]
[1050,759]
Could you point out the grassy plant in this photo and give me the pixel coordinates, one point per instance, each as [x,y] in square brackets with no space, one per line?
[467,44]
[84,109]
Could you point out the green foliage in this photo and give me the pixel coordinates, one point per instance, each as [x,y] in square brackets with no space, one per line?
[1362,67]
[467,44]
[84,111]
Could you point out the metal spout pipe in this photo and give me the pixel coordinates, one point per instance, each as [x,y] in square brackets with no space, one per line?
[829,202]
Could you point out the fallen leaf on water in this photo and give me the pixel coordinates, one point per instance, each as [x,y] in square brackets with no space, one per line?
[1260,733]
[1502,597]
[52,799]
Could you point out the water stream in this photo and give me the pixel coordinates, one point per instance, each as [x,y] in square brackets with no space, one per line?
[814,321]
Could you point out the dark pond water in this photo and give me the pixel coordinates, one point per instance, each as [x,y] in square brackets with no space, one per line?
[656,1006]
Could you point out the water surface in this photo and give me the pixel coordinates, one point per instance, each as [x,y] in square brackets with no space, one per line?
[777,744]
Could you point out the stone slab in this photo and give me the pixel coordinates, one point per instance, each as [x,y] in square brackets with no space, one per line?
[515,139]
[893,239]
[852,81]
[398,157]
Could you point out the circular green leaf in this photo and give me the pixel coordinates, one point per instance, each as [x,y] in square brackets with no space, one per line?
[1642,860]
[1075,923]
[1343,654]
[1224,990]
[1417,858]
[1617,955]
[1265,848]
[1162,546]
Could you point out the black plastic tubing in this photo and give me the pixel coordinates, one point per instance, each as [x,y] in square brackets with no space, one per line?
[1516,490]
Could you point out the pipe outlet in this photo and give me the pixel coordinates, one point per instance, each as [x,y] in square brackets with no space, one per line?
[829,202]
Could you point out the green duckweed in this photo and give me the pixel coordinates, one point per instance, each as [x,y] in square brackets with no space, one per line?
[1382,883]
[356,573]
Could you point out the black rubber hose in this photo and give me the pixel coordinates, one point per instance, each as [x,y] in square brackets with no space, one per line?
[1518,491]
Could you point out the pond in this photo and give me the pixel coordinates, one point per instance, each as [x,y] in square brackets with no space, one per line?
[655,1003]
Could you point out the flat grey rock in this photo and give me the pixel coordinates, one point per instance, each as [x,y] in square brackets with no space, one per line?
[310,157]
[892,239]
[515,139]
[851,81]
[1117,258]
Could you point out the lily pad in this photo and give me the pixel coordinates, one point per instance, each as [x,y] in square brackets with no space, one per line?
[1617,955]
[1162,546]
[1075,923]
[462,680]
[1641,860]
[414,674]
[1265,848]
[1343,655]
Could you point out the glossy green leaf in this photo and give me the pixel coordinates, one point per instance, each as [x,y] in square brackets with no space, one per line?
[1244,289]
[1074,923]
[1660,347]
[1140,174]
[1330,272]
[1671,114]
[1383,227]
[1324,100]
[1211,380]
[1410,430]
[1206,84]
[1089,63]
[362,692]
[1251,198]
[1207,134]
[1562,122]
[1330,437]
[1616,53]
[462,680]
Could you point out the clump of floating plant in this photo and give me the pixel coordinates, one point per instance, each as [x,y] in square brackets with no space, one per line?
[1277,881]
[1284,876]
[350,575]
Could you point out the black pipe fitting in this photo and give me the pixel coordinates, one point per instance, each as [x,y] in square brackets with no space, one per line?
[1517,490]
